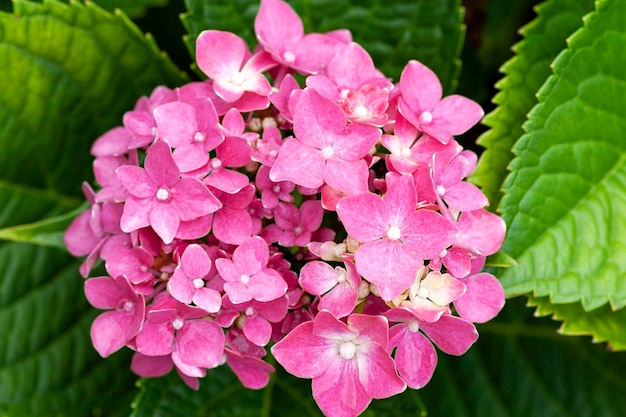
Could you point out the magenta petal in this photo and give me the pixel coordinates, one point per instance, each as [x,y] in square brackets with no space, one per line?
[277,27]
[111,330]
[302,353]
[318,277]
[180,287]
[195,261]
[415,356]
[370,328]
[164,220]
[252,255]
[193,199]
[136,214]
[155,339]
[251,371]
[151,366]
[464,196]
[298,163]
[230,182]
[200,343]
[483,299]
[79,237]
[257,330]
[232,226]
[103,293]
[481,232]
[160,165]
[458,262]
[451,334]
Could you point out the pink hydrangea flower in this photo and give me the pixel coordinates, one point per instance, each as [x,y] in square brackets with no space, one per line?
[349,363]
[422,105]
[395,236]
[113,329]
[159,197]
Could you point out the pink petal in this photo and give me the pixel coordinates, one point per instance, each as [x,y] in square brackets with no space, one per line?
[164,219]
[267,285]
[193,199]
[364,216]
[252,372]
[298,163]
[415,357]
[151,366]
[465,196]
[230,182]
[388,264]
[160,165]
[220,54]
[377,371]
[136,181]
[252,255]
[103,293]
[208,299]
[79,238]
[155,339]
[111,330]
[176,123]
[200,343]
[304,354]
[351,67]
[338,392]
[136,214]
[427,233]
[180,286]
[232,226]
[277,27]
[480,232]
[420,87]
[195,262]
[340,301]
[483,299]
[318,277]
[257,330]
[451,334]
[456,114]
[347,177]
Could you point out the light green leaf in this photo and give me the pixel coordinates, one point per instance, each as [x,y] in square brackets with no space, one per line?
[48,366]
[133,8]
[565,199]
[544,38]
[47,232]
[521,367]
[393,32]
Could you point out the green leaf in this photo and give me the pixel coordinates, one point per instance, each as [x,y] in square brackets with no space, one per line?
[133,8]
[544,38]
[521,367]
[48,232]
[392,32]
[48,366]
[565,197]
[603,324]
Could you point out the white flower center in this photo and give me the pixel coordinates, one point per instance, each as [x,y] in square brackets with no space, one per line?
[244,279]
[216,163]
[413,326]
[249,311]
[162,194]
[360,111]
[441,190]
[198,283]
[443,253]
[341,278]
[199,137]
[394,233]
[129,306]
[327,152]
[405,152]
[237,78]
[426,117]
[289,56]
[347,350]
[178,323]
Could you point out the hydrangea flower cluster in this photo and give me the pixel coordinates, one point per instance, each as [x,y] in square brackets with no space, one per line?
[296,199]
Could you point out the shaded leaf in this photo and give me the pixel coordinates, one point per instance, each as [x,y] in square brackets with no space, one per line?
[48,366]
[544,38]
[393,33]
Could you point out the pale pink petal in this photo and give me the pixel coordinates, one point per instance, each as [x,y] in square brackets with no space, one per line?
[314,51]
[338,392]
[464,196]
[207,299]
[267,285]
[176,123]
[480,232]
[112,142]
[252,255]
[136,181]
[351,67]
[278,28]
[347,177]
[340,301]
[427,233]
[180,287]
[195,262]
[318,277]
[420,87]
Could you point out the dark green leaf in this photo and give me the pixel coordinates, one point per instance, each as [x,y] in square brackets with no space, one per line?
[48,366]
[392,32]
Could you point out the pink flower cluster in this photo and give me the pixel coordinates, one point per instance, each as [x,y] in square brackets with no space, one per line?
[296,199]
